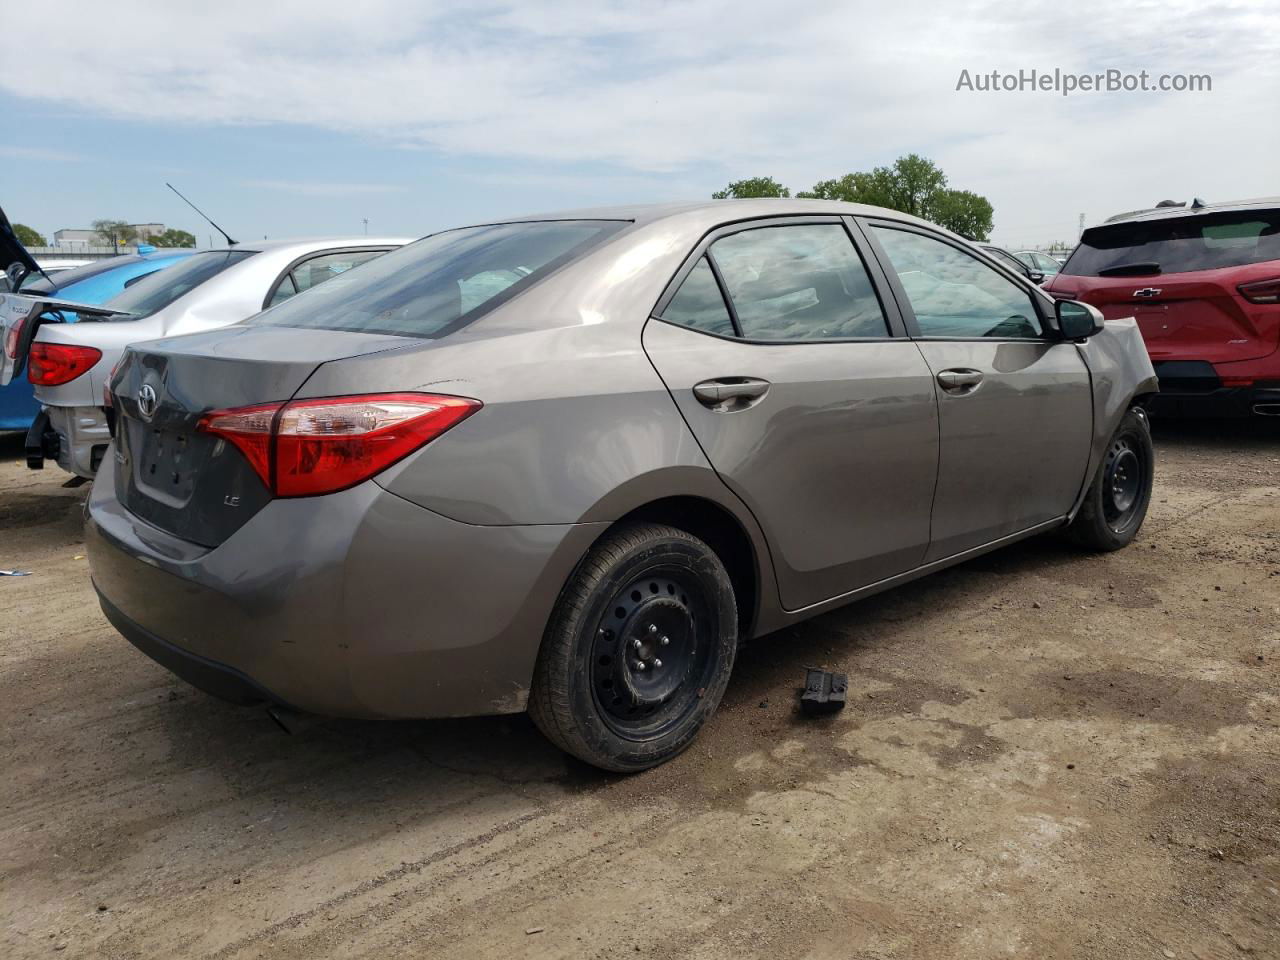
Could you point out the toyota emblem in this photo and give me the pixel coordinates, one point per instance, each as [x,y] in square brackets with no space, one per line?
[147,401]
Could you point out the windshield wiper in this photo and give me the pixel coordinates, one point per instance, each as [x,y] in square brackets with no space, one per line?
[1130,269]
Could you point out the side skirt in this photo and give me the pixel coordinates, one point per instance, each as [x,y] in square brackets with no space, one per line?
[785,618]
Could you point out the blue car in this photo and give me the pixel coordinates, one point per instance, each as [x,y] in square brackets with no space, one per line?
[93,283]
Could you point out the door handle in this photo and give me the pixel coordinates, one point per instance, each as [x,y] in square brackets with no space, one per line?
[960,379]
[730,393]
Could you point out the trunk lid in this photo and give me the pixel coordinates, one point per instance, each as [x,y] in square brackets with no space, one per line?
[21,316]
[188,483]
[15,261]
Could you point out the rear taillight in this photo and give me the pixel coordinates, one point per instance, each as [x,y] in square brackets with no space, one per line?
[1261,291]
[53,364]
[11,339]
[307,447]
[106,387]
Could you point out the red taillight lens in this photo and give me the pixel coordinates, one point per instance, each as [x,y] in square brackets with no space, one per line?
[1261,291]
[12,338]
[307,447]
[53,364]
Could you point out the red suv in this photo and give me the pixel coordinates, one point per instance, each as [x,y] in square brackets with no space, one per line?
[1203,282]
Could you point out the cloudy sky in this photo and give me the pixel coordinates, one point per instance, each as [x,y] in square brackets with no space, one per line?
[291,118]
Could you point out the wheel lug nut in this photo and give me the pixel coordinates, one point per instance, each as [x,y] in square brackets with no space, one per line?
[664,641]
[636,643]
[653,628]
[656,663]
[640,665]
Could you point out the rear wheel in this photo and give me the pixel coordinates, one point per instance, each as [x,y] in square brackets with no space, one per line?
[639,649]
[1117,501]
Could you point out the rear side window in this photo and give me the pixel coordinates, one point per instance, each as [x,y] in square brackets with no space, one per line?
[316,270]
[798,282]
[158,290]
[429,288]
[698,303]
[1179,245]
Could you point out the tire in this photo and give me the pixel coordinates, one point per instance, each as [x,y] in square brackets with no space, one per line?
[644,594]
[1118,497]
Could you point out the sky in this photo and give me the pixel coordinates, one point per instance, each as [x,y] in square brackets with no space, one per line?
[288,119]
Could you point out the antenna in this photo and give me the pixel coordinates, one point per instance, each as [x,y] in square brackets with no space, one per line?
[230,242]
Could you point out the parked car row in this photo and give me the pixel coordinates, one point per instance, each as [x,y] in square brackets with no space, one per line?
[568,463]
[69,364]
[90,283]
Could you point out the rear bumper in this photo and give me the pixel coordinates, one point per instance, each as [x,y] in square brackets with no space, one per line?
[354,604]
[82,438]
[1196,388]
[211,677]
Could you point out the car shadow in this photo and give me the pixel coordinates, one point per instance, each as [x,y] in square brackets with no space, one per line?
[1216,434]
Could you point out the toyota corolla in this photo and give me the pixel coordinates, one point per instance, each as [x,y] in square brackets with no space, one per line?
[568,463]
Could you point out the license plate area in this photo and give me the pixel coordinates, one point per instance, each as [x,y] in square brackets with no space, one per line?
[165,462]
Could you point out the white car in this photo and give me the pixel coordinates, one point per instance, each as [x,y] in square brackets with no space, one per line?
[69,363]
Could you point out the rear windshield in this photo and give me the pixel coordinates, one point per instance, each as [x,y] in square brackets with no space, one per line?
[36,283]
[434,286]
[1176,246]
[155,291]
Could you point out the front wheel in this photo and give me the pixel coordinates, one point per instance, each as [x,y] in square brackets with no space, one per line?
[639,649]
[1118,497]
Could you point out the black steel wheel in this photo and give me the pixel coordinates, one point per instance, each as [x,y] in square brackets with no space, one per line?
[1117,500]
[1123,481]
[639,651]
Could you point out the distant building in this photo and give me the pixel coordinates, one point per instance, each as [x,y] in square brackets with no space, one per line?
[80,239]
[75,238]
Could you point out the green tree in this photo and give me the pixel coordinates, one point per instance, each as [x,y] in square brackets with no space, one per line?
[754,187]
[962,212]
[28,237]
[114,232]
[172,238]
[914,185]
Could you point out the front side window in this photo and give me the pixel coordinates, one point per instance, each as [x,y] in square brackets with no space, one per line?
[429,288]
[954,294]
[159,289]
[798,282]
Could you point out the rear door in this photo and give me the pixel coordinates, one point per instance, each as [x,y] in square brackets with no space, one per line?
[1015,408]
[806,398]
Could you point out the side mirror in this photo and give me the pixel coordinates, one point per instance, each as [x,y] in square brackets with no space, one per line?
[1035,276]
[1076,320]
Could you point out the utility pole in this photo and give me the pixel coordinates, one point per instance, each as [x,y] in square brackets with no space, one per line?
[1080,232]
[366,226]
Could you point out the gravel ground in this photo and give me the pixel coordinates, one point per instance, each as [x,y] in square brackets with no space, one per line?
[1046,754]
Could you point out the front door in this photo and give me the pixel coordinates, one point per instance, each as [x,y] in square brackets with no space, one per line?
[783,362]
[1015,407]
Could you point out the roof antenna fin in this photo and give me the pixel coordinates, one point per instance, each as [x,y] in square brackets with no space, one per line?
[230,242]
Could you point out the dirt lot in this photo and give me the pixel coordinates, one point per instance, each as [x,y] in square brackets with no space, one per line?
[1046,755]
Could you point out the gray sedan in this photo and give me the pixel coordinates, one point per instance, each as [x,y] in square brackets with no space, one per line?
[568,463]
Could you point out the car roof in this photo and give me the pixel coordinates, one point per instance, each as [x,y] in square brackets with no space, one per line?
[1195,208]
[723,211]
[313,243]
